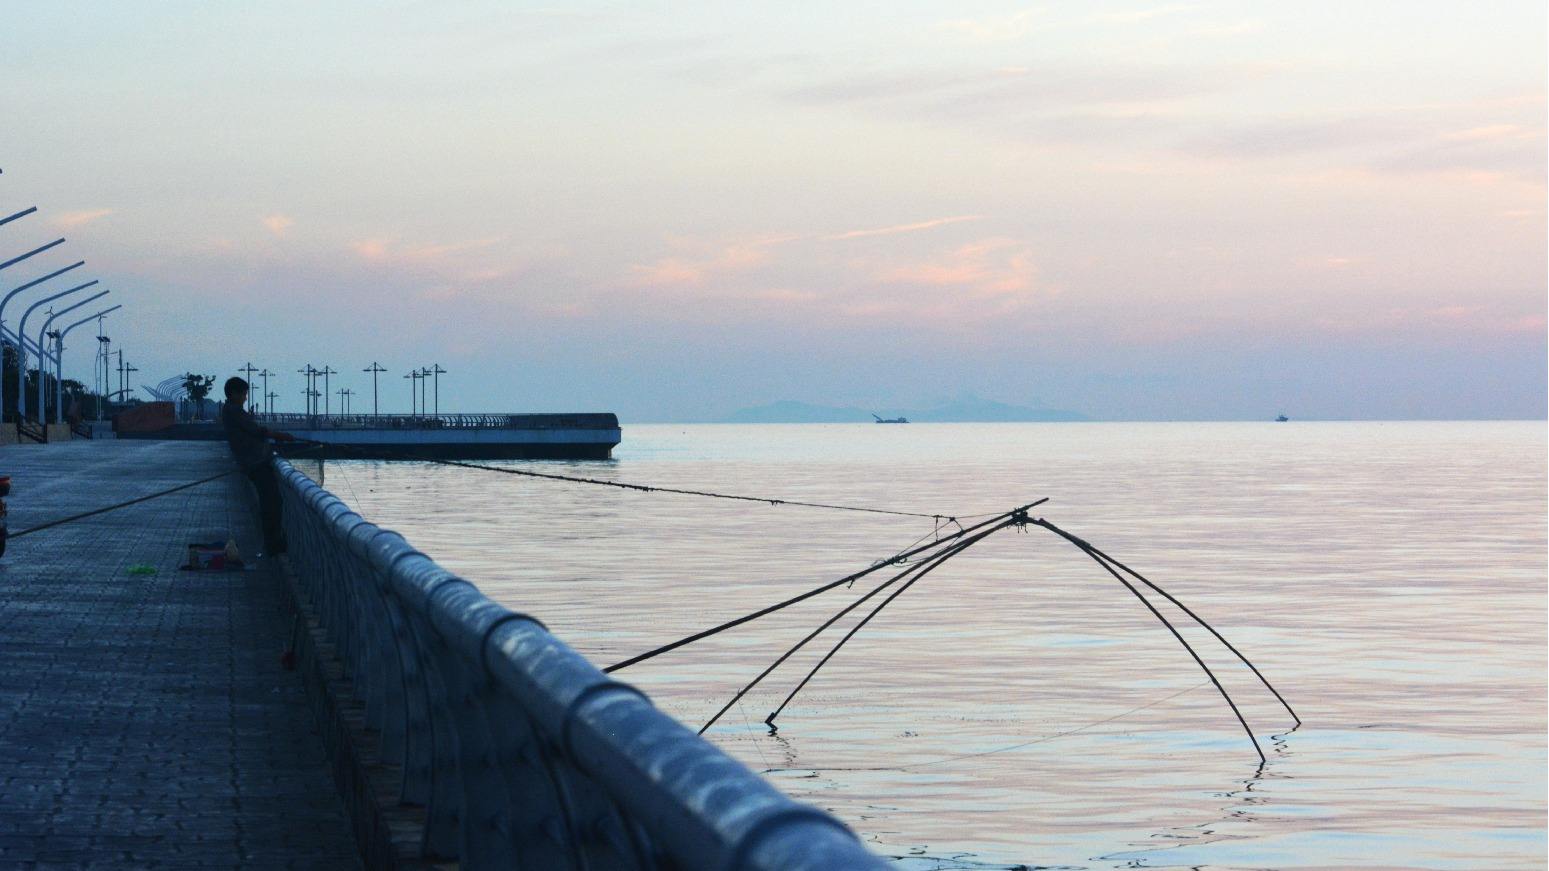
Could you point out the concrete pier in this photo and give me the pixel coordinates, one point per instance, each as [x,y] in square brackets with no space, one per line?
[145,720]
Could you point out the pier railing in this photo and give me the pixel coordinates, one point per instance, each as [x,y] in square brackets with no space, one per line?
[520,751]
[488,420]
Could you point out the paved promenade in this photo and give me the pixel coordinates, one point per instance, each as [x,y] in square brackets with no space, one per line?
[145,721]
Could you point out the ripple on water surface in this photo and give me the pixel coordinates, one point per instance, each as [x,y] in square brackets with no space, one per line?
[1019,707]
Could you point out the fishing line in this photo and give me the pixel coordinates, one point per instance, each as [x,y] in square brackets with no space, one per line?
[1084,548]
[927,569]
[960,540]
[94,512]
[1201,621]
[929,564]
[642,488]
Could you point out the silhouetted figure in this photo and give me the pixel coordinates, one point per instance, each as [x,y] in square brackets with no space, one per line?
[250,448]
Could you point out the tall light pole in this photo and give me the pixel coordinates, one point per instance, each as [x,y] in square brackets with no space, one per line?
[414,391]
[124,388]
[269,397]
[43,336]
[344,400]
[31,284]
[21,348]
[268,406]
[374,368]
[325,372]
[424,385]
[249,369]
[15,260]
[60,349]
[310,373]
[437,372]
[104,349]
[21,214]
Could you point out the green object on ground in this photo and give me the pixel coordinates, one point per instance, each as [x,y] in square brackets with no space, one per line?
[142,569]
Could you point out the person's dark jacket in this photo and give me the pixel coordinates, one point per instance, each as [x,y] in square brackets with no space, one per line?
[249,441]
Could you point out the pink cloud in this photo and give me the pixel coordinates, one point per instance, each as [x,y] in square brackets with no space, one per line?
[80,218]
[991,267]
[388,250]
[728,258]
[904,228]
[278,224]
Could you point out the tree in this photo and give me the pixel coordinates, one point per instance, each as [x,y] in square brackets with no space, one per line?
[198,387]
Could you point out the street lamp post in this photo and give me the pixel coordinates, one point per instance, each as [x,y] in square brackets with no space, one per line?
[269,397]
[43,335]
[414,392]
[268,406]
[21,372]
[104,343]
[437,372]
[424,384]
[325,372]
[310,373]
[124,388]
[374,368]
[34,283]
[60,350]
[39,250]
[248,370]
[21,349]
[21,214]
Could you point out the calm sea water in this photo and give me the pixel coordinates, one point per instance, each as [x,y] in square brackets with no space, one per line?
[1019,707]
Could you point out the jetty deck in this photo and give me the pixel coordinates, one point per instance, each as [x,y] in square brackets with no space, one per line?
[145,720]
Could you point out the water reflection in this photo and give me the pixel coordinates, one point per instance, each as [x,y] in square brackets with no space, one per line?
[1234,821]
[1018,706]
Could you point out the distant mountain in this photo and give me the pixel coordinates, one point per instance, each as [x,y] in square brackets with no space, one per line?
[966,409]
[972,409]
[789,411]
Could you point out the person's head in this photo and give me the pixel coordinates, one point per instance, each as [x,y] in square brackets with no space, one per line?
[236,390]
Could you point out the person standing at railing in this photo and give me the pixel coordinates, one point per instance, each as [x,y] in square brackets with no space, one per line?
[250,448]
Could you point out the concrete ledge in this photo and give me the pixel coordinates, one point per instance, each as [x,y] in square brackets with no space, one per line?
[387,832]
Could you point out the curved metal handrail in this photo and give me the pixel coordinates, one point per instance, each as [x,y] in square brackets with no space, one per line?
[522,752]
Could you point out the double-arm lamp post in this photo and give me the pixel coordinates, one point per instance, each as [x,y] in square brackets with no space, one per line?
[43,335]
[59,352]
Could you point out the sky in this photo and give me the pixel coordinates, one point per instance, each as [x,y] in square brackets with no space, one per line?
[1132,210]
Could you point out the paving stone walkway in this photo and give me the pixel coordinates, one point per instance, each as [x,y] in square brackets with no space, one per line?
[145,721]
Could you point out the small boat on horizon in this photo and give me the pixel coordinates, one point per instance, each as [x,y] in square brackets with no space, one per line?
[881,419]
[1281,419]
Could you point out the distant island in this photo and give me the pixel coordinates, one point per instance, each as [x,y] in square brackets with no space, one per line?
[967,409]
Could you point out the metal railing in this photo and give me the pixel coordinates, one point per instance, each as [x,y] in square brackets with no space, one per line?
[522,753]
[489,420]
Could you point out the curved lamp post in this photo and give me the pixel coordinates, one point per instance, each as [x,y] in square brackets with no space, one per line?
[21,214]
[43,354]
[31,284]
[59,354]
[21,344]
[39,250]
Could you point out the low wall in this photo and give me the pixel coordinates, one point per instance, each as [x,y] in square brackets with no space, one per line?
[464,731]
